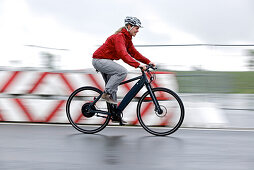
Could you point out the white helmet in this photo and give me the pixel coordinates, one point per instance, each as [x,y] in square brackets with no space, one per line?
[132,21]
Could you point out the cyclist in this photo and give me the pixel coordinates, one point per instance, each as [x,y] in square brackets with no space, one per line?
[118,46]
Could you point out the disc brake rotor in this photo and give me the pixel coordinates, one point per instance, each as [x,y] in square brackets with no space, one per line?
[164,111]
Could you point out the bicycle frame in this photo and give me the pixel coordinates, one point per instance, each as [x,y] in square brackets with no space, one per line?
[132,93]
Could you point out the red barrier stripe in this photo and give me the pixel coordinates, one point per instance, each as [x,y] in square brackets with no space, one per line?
[162,72]
[24,109]
[1,117]
[143,112]
[11,79]
[95,82]
[43,75]
[55,110]
[79,118]
[67,82]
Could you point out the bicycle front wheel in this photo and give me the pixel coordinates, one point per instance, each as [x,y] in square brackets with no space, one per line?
[81,112]
[165,123]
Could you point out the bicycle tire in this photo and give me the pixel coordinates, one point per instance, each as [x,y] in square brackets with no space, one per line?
[85,127]
[166,98]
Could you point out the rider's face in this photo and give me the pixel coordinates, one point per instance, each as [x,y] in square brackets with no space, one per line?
[134,31]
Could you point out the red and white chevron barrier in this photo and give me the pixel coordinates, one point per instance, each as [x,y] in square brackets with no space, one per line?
[40,96]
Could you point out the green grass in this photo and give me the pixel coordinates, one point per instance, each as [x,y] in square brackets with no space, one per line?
[215,82]
[243,82]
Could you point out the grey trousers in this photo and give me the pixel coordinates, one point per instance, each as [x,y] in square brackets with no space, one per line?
[112,73]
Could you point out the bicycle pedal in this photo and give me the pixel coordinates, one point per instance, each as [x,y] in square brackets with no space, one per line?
[119,120]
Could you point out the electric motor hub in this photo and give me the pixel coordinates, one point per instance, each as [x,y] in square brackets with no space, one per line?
[87,109]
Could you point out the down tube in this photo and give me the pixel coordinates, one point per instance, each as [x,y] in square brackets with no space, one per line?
[131,94]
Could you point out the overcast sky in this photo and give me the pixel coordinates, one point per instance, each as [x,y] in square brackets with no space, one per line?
[81,25]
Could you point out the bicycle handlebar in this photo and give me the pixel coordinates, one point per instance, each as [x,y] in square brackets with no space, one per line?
[149,66]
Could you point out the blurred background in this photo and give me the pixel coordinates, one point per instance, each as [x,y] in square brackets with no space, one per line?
[206,47]
[209,45]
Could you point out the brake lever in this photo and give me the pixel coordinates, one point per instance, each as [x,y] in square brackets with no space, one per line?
[151,66]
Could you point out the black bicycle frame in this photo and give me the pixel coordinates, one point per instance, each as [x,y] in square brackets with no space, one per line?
[134,91]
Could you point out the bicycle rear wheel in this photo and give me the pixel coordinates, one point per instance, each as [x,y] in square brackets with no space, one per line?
[167,122]
[82,114]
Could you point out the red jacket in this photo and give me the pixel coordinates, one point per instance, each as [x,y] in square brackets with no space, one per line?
[120,46]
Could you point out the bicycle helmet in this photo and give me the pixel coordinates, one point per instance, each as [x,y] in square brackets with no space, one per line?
[132,21]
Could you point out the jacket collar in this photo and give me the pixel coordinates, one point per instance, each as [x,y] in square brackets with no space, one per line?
[126,33]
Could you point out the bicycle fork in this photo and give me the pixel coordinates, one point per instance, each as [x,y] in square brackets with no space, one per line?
[154,99]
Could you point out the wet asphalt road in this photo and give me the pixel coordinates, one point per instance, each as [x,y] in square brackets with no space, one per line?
[62,147]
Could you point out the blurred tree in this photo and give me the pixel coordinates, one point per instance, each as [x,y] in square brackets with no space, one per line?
[48,59]
[250,63]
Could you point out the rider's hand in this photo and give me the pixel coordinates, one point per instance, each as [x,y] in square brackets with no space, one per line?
[143,67]
[152,63]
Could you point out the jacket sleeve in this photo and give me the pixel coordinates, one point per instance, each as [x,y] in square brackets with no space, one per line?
[121,51]
[133,52]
